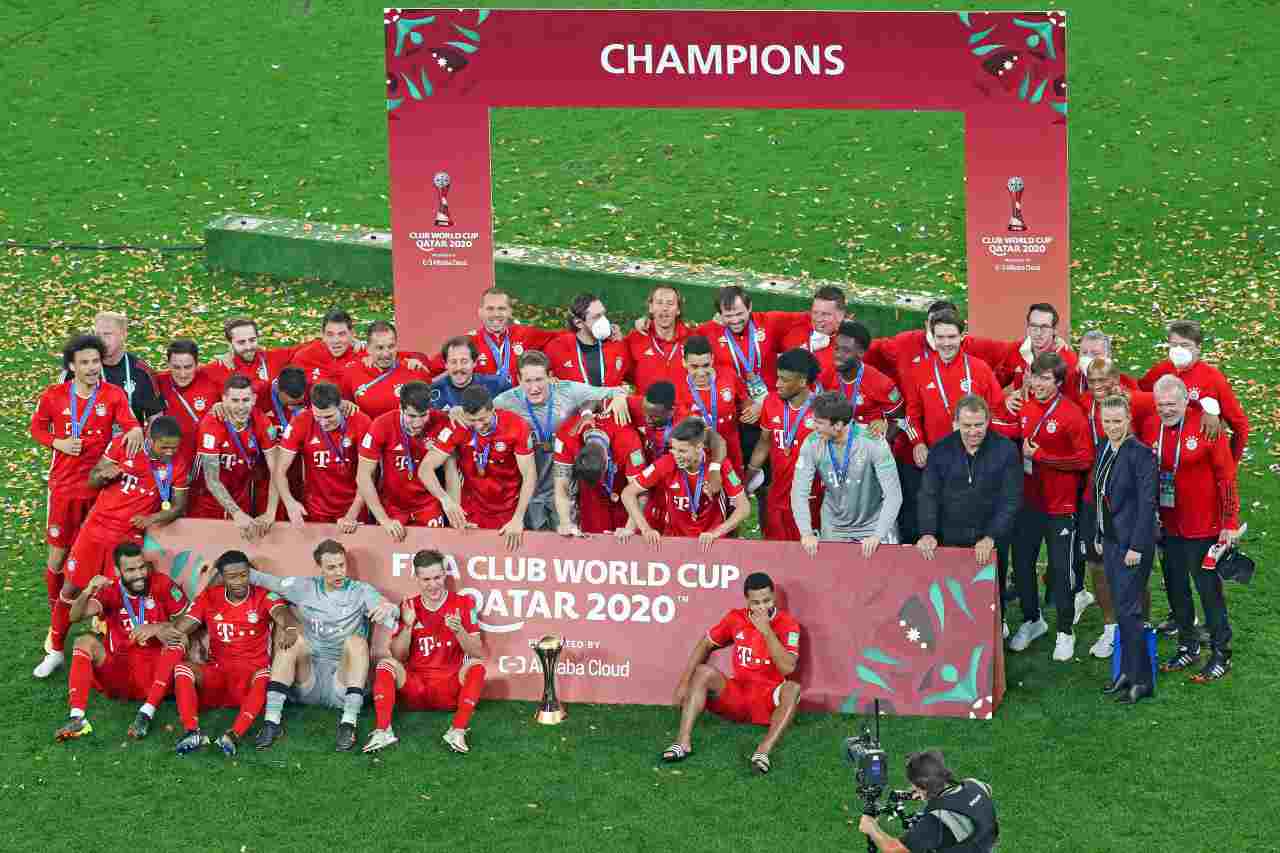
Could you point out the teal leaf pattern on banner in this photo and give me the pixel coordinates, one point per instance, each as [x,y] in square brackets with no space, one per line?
[964,18]
[463,46]
[950,673]
[977,37]
[1039,92]
[939,606]
[407,29]
[984,49]
[484,13]
[986,573]
[471,34]
[871,677]
[957,593]
[967,690]
[1044,29]
[392,103]
[413,90]
[150,544]
[1026,84]
[850,704]
[1060,106]
[876,655]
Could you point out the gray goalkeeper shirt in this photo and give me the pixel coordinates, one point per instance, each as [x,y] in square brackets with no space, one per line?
[865,502]
[329,617]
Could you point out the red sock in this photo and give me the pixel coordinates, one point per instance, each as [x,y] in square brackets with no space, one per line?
[469,696]
[384,694]
[252,704]
[162,675]
[184,688]
[80,680]
[53,585]
[60,623]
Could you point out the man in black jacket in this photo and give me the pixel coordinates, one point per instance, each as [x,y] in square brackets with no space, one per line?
[971,489]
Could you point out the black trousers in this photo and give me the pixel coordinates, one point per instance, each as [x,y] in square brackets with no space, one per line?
[1058,533]
[1181,565]
[1127,584]
[910,478]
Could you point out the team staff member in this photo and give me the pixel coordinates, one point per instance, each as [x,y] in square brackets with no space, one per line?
[499,343]
[326,358]
[1012,359]
[585,353]
[971,489]
[1199,505]
[826,314]
[958,815]
[460,354]
[1124,492]
[124,369]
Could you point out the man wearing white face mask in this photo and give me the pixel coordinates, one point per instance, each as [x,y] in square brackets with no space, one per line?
[586,352]
[1207,387]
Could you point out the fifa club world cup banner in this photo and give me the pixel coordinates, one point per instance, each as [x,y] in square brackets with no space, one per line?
[1006,72]
[923,637]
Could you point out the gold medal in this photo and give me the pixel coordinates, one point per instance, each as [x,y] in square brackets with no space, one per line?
[546,446]
[166,506]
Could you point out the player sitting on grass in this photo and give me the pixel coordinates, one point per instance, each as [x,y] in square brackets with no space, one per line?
[330,663]
[435,658]
[239,618]
[766,648]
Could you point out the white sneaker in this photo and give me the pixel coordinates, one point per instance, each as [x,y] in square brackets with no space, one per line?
[1106,644]
[1065,648]
[380,739]
[1028,632]
[457,740]
[1005,626]
[52,661]
[1084,599]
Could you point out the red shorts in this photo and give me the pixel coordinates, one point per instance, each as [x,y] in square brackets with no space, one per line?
[746,701]
[422,692]
[126,675]
[91,555]
[66,516]
[226,686]
[425,517]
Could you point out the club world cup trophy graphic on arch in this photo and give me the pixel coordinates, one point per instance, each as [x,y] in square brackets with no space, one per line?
[1015,186]
[443,183]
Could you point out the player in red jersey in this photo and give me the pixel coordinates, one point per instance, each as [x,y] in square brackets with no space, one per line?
[137,491]
[336,349]
[240,619]
[246,357]
[496,475]
[785,422]
[766,649]
[186,390]
[586,352]
[142,645]
[656,352]
[327,441]
[748,342]
[397,442]
[652,415]
[677,481]
[374,382]
[234,443]
[873,395]
[596,457]
[435,658]
[76,420]
[817,332]
[715,395]
[499,342]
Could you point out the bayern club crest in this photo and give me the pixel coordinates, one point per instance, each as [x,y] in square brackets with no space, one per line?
[1051,427]
[151,603]
[199,403]
[100,410]
[1193,393]
[500,446]
[396,391]
[518,349]
[54,530]
[1192,444]
[727,395]
[965,385]
[253,618]
[617,363]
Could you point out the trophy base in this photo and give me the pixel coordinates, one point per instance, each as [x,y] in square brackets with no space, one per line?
[1017,225]
[550,718]
[444,221]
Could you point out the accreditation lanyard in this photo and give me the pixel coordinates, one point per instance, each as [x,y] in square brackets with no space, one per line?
[263,373]
[501,355]
[1093,424]
[138,617]
[667,356]
[790,428]
[586,377]
[407,441]
[1101,478]
[364,389]
[712,416]
[177,392]
[163,477]
[544,432]
[129,385]
[661,447]
[606,482]
[481,456]
[841,471]
[965,387]
[856,386]
[279,406]
[1177,453]
[336,447]
[748,365]
[240,448]
[694,492]
[1028,466]
[79,420]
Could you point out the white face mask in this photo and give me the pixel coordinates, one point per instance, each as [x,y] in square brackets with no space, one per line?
[1085,361]
[602,328]
[1181,356]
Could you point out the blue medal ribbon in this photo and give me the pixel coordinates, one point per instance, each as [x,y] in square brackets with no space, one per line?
[140,617]
[78,421]
[544,433]
[363,389]
[712,417]
[501,355]
[750,363]
[235,439]
[789,428]
[842,471]
[694,492]
[857,385]
[408,449]
[164,482]
[279,407]
[482,457]
[336,448]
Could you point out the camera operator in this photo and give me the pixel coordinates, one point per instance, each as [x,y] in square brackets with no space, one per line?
[958,815]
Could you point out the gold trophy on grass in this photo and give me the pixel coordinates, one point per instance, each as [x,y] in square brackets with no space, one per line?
[550,711]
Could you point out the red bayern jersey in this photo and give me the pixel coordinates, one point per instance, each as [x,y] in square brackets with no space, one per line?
[239,632]
[931,408]
[1064,455]
[654,440]
[240,454]
[106,407]
[1205,380]
[490,473]
[569,360]
[377,391]
[653,359]
[676,489]
[874,397]
[264,367]
[162,601]
[399,454]
[329,461]
[788,427]
[718,406]
[801,337]
[188,404]
[752,661]
[433,647]
[136,490]
[502,354]
[769,327]
[1010,360]
[322,365]
[1206,500]
[600,506]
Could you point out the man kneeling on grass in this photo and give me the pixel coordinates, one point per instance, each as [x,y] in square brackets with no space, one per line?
[766,648]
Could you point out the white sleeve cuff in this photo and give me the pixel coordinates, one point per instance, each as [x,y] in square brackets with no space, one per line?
[1210,406]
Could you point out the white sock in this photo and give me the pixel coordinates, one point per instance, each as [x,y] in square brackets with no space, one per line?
[148,709]
[77,713]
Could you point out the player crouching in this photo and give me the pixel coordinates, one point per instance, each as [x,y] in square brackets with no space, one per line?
[435,658]
[766,647]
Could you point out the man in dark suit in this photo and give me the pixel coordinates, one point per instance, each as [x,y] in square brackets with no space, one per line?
[1124,492]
